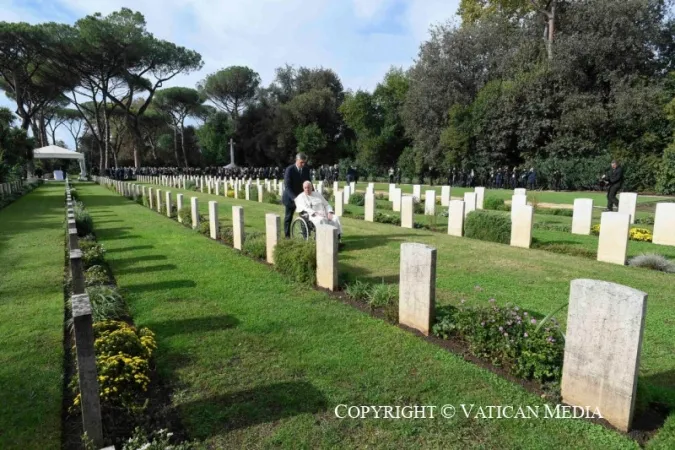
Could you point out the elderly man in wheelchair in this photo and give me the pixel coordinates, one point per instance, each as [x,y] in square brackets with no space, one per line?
[313,210]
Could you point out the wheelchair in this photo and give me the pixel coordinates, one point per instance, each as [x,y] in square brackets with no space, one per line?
[303,228]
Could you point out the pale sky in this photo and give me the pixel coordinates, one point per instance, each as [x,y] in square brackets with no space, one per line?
[359,39]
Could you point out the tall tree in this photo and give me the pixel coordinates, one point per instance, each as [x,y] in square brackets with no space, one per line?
[231,89]
[178,103]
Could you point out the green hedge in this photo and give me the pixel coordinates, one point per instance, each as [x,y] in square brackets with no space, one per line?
[296,259]
[488,226]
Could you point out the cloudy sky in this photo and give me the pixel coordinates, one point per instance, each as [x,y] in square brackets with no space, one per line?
[359,39]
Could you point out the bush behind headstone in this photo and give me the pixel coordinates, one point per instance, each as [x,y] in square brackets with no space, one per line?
[296,259]
[488,226]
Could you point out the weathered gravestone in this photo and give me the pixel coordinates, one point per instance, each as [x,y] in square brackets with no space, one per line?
[628,204]
[326,257]
[417,287]
[613,242]
[582,217]
[605,323]
[664,224]
[456,218]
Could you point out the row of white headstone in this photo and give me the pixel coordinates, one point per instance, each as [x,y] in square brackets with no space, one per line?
[10,188]
[326,235]
[600,363]
[614,226]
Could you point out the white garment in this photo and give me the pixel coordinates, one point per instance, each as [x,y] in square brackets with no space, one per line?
[317,208]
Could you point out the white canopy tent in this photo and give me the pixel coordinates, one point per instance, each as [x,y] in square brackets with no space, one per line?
[56,152]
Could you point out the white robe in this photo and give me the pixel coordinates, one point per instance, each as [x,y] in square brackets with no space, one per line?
[317,208]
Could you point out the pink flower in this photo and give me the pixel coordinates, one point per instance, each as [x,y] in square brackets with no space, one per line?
[533,321]
[525,335]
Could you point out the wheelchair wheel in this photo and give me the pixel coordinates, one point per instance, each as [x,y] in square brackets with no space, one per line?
[300,229]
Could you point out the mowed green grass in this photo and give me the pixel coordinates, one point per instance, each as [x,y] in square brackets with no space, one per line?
[31,319]
[257,361]
[476,271]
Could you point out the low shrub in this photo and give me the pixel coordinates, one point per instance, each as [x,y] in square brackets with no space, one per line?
[93,253]
[533,199]
[271,197]
[255,245]
[227,235]
[159,440]
[204,226]
[387,218]
[106,303]
[552,226]
[358,291]
[123,366]
[174,211]
[566,249]
[358,199]
[83,221]
[74,194]
[495,204]
[506,336]
[555,212]
[647,220]
[381,295]
[488,226]
[380,197]
[190,185]
[96,275]
[653,261]
[185,215]
[296,259]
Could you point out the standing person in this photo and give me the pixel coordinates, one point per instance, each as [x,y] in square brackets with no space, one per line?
[295,175]
[615,183]
[532,179]
[391,175]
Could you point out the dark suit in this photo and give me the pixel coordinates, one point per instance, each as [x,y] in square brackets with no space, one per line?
[293,179]
[615,183]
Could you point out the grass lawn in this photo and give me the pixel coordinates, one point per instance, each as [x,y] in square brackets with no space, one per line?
[257,361]
[477,271]
[31,319]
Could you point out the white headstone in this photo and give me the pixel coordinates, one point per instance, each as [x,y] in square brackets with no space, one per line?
[370,207]
[391,192]
[664,224]
[430,203]
[469,203]
[628,204]
[352,187]
[213,219]
[521,226]
[605,323]
[238,226]
[417,192]
[397,200]
[480,197]
[417,287]
[272,227]
[456,218]
[407,211]
[613,242]
[347,194]
[326,257]
[179,206]
[445,196]
[247,191]
[339,201]
[520,191]
[194,204]
[169,204]
[260,193]
[516,201]
[583,216]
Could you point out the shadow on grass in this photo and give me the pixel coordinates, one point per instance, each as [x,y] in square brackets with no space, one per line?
[136,259]
[148,269]
[263,404]
[130,249]
[160,286]
[193,325]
